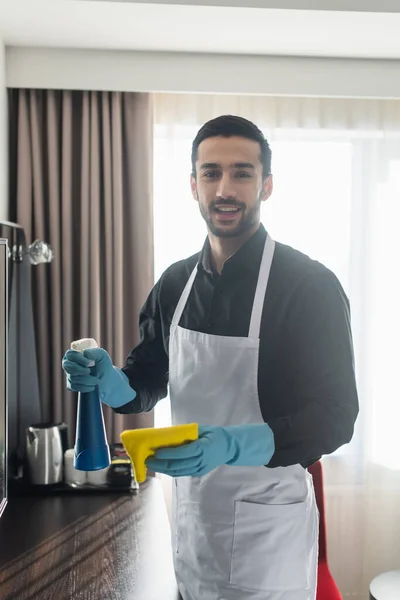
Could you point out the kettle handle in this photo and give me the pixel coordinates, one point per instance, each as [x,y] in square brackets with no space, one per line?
[32,437]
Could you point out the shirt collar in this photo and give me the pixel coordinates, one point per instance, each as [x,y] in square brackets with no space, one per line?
[248,256]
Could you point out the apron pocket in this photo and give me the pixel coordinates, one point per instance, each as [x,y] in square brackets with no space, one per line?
[269,547]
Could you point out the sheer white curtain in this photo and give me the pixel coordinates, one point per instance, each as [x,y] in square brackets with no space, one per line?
[336,166]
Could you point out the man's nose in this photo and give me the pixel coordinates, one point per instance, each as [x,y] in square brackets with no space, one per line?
[226,188]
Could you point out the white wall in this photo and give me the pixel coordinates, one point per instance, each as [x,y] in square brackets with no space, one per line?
[184,72]
[3,135]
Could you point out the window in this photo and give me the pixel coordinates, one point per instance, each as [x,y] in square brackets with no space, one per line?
[336,198]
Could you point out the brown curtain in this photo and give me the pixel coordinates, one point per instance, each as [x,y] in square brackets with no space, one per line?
[81,179]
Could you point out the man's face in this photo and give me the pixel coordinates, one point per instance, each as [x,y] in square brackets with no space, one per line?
[229,184]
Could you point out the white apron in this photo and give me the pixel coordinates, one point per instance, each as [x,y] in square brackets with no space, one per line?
[239,533]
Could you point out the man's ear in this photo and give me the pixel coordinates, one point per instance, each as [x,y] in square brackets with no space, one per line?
[268,185]
[193,186]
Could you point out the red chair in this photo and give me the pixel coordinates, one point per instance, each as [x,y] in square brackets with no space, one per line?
[327,588]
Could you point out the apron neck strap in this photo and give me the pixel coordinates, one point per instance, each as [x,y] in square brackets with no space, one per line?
[255,322]
[263,277]
[184,298]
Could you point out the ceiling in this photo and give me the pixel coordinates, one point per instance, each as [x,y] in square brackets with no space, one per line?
[129,25]
[340,5]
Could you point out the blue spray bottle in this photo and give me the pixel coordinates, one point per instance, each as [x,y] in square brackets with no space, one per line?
[91,449]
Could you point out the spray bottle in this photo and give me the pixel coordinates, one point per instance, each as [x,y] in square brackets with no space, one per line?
[91,449]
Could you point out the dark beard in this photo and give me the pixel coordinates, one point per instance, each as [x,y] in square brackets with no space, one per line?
[249,218]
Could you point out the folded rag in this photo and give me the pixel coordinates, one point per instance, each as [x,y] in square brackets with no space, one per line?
[140,444]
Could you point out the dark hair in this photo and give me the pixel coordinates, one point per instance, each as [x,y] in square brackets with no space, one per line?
[229,126]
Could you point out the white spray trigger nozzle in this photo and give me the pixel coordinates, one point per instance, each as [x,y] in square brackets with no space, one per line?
[84,344]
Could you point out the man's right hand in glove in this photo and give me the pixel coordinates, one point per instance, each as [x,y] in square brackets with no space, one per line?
[95,368]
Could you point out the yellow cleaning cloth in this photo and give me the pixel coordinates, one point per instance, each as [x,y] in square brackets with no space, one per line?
[142,443]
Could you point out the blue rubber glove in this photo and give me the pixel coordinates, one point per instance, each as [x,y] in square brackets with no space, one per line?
[82,376]
[238,445]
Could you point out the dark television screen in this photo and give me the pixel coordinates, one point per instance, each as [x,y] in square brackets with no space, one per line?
[3,371]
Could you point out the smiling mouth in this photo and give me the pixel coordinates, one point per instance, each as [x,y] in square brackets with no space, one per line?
[227,209]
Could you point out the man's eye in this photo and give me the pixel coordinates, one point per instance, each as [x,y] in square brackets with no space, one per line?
[211,174]
[242,175]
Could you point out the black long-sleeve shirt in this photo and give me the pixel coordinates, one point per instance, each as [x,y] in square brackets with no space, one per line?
[306,380]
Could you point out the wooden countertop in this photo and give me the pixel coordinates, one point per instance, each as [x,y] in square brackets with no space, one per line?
[87,547]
